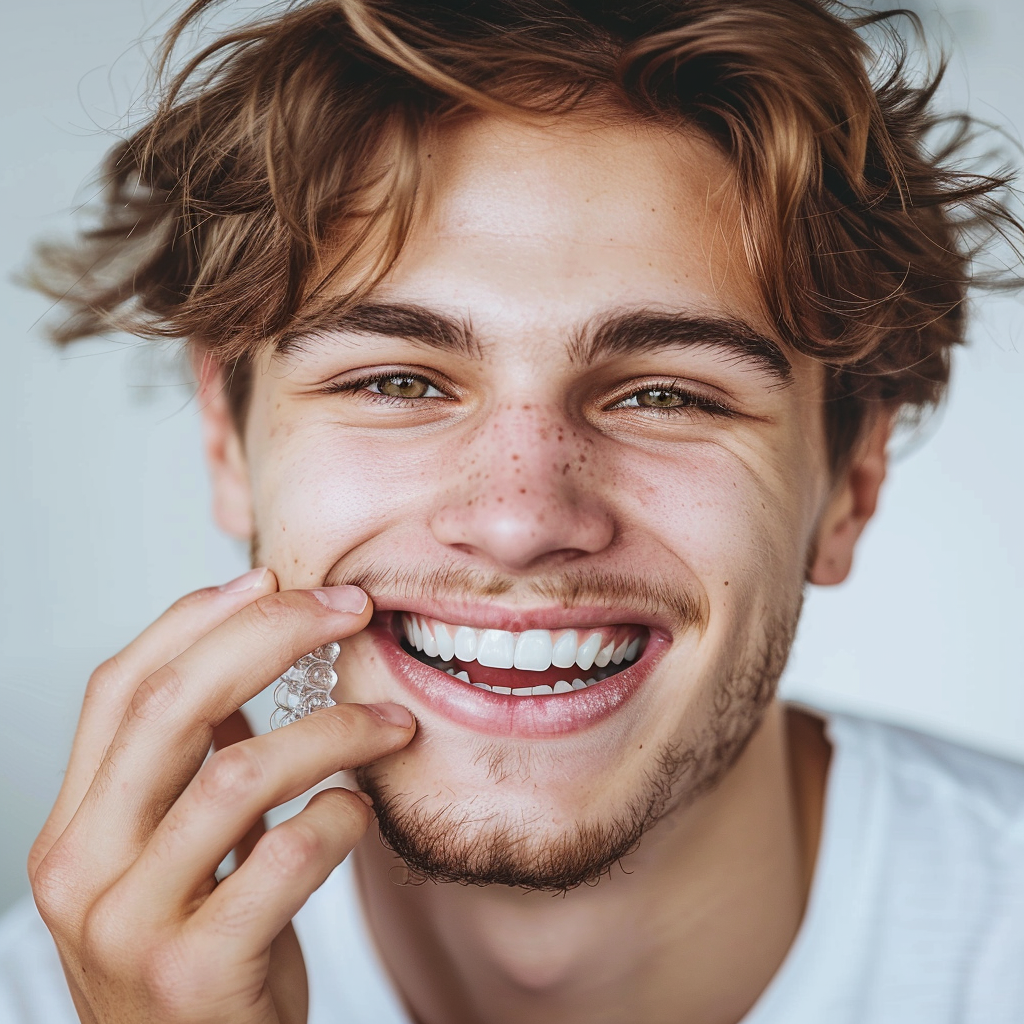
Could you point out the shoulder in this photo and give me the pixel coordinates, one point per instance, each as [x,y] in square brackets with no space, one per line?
[916,914]
[935,836]
[917,772]
[32,986]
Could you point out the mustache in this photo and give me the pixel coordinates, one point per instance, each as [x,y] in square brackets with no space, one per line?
[569,589]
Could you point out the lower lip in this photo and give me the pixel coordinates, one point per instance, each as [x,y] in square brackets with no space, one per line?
[498,714]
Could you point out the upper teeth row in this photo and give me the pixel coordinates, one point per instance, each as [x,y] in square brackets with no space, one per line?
[534,650]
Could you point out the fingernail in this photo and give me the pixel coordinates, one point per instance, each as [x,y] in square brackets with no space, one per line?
[393,714]
[247,581]
[342,599]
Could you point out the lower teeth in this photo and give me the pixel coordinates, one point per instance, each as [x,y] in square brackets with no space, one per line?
[562,686]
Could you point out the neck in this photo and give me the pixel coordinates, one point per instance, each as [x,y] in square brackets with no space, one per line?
[691,928]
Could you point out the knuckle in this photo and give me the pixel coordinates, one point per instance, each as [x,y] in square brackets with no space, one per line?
[106,677]
[343,804]
[235,918]
[230,774]
[276,613]
[290,848]
[189,601]
[54,887]
[156,695]
[340,724]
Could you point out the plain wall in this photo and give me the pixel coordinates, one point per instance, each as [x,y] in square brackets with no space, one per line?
[104,517]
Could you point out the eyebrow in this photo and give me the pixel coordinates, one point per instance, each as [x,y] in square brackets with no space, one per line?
[617,333]
[417,324]
[645,330]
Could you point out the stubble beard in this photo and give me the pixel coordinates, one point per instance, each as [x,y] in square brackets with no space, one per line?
[449,845]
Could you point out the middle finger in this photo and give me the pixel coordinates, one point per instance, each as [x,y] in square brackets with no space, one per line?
[246,780]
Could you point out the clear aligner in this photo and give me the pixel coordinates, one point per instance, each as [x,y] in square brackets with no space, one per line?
[306,686]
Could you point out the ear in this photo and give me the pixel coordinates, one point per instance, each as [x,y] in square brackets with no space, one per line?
[224,450]
[852,503]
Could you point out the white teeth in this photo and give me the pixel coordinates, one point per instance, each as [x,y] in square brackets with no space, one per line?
[465,643]
[496,649]
[542,690]
[605,654]
[563,653]
[533,650]
[429,643]
[445,643]
[588,651]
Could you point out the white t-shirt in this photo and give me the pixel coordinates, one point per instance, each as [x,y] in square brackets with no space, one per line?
[916,914]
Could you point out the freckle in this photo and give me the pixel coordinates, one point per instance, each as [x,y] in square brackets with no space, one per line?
[527,408]
[726,583]
[565,469]
[522,490]
[500,499]
[583,458]
[515,458]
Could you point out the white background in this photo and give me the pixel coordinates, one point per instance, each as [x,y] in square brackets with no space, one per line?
[103,499]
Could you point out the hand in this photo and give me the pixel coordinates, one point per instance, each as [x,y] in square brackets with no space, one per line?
[123,870]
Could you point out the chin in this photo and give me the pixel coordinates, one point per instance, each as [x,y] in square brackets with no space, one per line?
[551,736]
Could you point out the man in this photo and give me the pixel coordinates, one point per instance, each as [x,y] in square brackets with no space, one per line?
[545,351]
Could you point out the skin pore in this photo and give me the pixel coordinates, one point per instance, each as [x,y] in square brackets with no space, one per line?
[496,466]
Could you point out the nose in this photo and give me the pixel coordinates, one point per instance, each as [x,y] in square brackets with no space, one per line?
[527,493]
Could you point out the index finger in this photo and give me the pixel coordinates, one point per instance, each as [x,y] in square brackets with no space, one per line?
[111,686]
[166,731]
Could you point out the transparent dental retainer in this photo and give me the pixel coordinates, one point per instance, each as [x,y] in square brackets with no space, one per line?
[306,686]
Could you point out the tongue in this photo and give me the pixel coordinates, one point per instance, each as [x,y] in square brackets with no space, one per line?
[518,677]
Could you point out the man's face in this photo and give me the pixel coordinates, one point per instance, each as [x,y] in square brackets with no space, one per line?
[591,438]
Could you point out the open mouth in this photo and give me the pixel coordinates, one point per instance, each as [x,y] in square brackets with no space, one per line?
[531,663]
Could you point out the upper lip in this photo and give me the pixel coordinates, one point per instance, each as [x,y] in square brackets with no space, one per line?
[485,615]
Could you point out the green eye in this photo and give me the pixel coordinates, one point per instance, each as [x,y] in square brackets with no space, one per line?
[658,398]
[673,400]
[401,386]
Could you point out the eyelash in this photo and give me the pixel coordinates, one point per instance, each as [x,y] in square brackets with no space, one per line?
[363,384]
[693,400]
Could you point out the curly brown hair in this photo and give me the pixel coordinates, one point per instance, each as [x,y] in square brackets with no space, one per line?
[285,158]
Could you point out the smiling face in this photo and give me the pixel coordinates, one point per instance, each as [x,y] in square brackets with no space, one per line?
[559,449]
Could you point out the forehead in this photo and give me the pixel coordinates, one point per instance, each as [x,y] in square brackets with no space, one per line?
[573,217]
